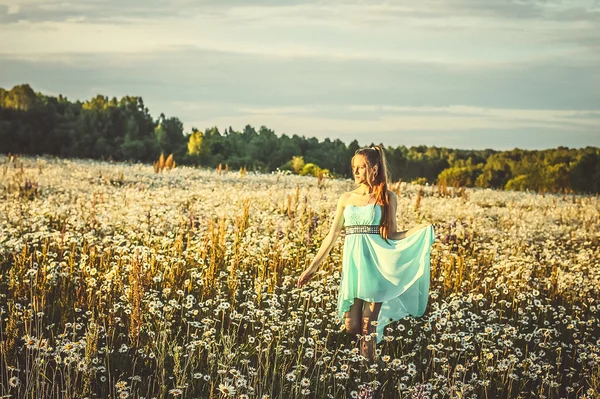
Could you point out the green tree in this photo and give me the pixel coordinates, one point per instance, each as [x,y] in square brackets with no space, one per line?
[169,135]
[123,129]
[195,146]
[460,175]
[195,143]
[519,183]
[297,164]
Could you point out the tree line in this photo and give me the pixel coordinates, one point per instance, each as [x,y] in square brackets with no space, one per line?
[124,130]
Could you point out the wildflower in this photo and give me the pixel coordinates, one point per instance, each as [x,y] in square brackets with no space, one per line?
[227,389]
[42,344]
[241,382]
[81,366]
[304,382]
[68,347]
[176,391]
[121,385]
[30,341]
[14,382]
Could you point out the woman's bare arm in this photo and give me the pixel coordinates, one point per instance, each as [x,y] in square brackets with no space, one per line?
[328,242]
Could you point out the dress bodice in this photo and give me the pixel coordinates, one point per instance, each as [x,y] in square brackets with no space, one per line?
[362,215]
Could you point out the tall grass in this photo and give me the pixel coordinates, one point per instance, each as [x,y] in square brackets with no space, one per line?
[182,285]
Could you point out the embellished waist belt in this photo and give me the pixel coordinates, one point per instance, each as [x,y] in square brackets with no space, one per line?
[362,229]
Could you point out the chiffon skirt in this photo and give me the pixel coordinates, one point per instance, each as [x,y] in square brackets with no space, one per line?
[396,274]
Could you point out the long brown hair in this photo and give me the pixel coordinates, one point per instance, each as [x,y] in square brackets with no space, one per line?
[375,156]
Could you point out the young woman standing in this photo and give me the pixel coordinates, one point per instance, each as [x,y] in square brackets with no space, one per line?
[385,272]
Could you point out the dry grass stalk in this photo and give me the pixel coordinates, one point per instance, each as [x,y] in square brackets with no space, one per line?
[594,383]
[162,163]
[443,190]
[321,179]
[136,293]
[397,188]
[91,350]
[170,162]
[289,210]
[9,338]
[241,224]
[290,206]
[214,241]
[419,196]
[159,165]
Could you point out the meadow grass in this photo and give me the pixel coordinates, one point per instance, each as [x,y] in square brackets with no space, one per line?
[118,282]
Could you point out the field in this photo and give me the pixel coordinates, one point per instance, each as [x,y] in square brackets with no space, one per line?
[116,282]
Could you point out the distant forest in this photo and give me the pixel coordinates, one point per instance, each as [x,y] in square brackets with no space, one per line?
[123,130]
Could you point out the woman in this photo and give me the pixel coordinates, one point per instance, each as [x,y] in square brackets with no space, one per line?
[385,272]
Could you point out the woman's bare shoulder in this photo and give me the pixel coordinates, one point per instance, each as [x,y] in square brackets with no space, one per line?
[345,197]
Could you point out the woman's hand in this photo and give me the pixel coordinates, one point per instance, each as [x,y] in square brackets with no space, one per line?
[328,241]
[305,276]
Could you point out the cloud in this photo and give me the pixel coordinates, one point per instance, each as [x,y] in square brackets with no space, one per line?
[307,11]
[270,80]
[440,31]
[331,67]
[117,10]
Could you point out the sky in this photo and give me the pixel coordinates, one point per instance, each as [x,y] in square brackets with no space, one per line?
[468,74]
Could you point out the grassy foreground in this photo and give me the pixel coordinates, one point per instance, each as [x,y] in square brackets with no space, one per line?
[118,282]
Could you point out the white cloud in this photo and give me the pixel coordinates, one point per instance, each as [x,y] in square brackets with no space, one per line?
[386,118]
[433,30]
[328,67]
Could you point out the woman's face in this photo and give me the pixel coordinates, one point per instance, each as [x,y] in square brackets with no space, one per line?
[360,169]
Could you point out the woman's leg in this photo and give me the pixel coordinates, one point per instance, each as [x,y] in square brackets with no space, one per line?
[352,318]
[370,313]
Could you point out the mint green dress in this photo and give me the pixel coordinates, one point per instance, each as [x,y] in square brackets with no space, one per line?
[396,274]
